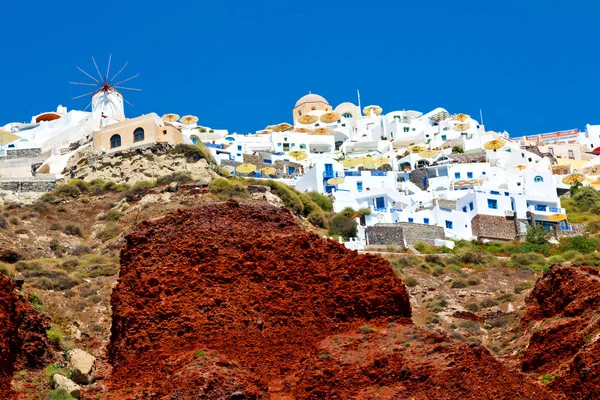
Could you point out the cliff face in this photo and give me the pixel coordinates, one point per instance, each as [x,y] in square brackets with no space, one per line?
[563,319]
[237,301]
[22,335]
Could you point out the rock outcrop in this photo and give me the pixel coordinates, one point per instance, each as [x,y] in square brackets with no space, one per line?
[62,382]
[83,365]
[237,301]
[563,321]
[22,335]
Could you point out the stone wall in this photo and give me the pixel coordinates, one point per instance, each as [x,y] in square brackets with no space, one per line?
[403,233]
[38,185]
[493,227]
[22,153]
[576,230]
[451,204]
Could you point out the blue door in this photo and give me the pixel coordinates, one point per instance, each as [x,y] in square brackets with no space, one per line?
[379,202]
[291,170]
[329,170]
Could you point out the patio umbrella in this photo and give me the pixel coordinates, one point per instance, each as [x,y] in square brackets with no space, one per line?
[462,127]
[188,119]
[461,117]
[308,119]
[428,153]
[7,137]
[297,154]
[494,144]
[557,217]
[170,117]
[335,181]
[283,127]
[330,117]
[381,161]
[302,130]
[269,171]
[352,162]
[377,109]
[245,168]
[571,179]
[322,131]
[521,167]
[263,132]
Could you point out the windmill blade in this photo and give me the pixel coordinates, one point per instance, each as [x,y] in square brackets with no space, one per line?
[83,95]
[121,70]
[128,79]
[97,70]
[129,103]
[85,84]
[127,88]
[108,69]
[86,107]
[96,80]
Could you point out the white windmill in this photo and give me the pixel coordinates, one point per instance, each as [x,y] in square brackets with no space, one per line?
[106,99]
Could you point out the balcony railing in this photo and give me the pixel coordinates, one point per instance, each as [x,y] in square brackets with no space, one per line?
[380,209]
[566,228]
[352,173]
[378,173]
[395,210]
[555,209]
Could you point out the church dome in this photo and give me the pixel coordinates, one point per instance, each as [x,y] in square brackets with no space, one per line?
[311,98]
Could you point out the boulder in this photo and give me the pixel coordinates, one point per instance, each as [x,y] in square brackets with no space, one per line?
[62,382]
[83,365]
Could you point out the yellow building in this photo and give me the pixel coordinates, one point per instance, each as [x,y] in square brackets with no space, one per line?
[144,130]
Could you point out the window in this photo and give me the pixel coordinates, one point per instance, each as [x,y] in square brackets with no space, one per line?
[482,172]
[538,179]
[464,209]
[414,129]
[194,139]
[313,108]
[303,146]
[551,150]
[457,175]
[347,115]
[299,112]
[529,159]
[443,137]
[471,206]
[406,129]
[411,220]
[469,175]
[239,147]
[522,155]
[493,204]
[115,141]
[445,129]
[540,207]
[359,186]
[494,192]
[571,155]
[138,135]
[426,221]
[293,144]
[448,224]
[279,144]
[506,194]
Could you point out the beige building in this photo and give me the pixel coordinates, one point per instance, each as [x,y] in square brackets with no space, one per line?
[308,103]
[135,132]
[571,151]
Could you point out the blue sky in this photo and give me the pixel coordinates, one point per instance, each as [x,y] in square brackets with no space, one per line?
[532,66]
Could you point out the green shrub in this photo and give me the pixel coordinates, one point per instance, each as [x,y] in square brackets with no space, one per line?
[194,152]
[73,230]
[53,280]
[582,244]
[593,226]
[308,206]
[137,189]
[55,245]
[458,284]
[547,378]
[55,227]
[174,177]
[61,208]
[473,307]
[537,235]
[48,198]
[323,201]
[521,286]
[81,249]
[39,206]
[438,271]
[97,270]
[318,219]
[289,197]
[81,185]
[488,303]
[366,329]
[199,353]
[532,261]
[410,281]
[585,198]
[224,188]
[110,231]
[113,215]
[343,226]
[68,190]
[59,394]
[505,298]
[434,259]
[3,222]
[473,281]
[4,270]
[405,261]
[55,337]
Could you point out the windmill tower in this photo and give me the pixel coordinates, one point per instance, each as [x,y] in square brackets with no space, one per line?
[106,98]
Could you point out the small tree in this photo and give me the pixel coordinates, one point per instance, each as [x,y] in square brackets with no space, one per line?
[585,197]
[537,235]
[457,149]
[343,226]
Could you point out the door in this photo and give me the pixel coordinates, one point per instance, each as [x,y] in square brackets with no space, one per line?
[329,170]
[379,202]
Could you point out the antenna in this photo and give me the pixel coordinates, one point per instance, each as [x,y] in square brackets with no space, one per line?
[481,116]
[358,93]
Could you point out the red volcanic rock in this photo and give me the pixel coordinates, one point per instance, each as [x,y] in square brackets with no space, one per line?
[237,301]
[22,335]
[563,318]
